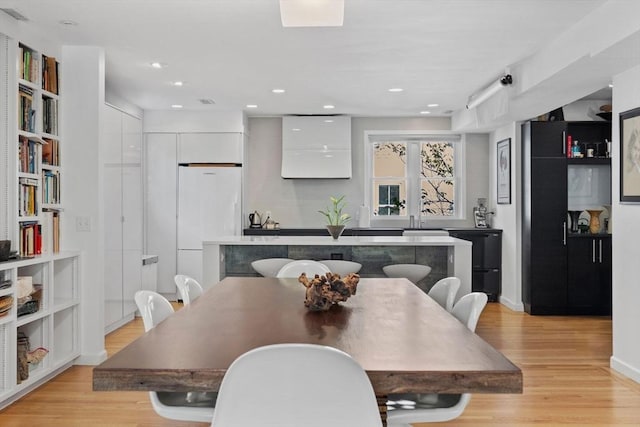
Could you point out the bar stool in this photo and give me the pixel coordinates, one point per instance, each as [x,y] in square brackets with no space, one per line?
[269,267]
[413,272]
[342,267]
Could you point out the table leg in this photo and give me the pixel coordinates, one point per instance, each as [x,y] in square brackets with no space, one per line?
[382,407]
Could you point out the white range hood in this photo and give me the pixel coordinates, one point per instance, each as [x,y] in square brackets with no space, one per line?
[316,147]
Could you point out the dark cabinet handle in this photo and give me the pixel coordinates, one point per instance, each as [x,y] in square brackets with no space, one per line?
[593,251]
[564,142]
[564,233]
[600,244]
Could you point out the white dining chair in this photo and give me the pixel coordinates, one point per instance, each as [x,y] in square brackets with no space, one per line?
[406,409]
[296,268]
[444,292]
[342,267]
[413,272]
[180,406]
[293,385]
[188,287]
[269,267]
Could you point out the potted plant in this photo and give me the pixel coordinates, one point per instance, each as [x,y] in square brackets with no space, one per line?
[336,220]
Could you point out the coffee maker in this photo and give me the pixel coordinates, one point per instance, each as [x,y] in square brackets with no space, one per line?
[481,214]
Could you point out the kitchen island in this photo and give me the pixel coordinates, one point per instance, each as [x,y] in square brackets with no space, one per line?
[447,256]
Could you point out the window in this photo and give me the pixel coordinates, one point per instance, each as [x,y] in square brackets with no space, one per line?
[415,175]
[388,199]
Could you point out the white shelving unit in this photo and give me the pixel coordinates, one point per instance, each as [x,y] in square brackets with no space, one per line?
[54,326]
[37,153]
[31,157]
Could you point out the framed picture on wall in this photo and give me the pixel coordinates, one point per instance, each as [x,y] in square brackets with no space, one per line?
[630,156]
[503,156]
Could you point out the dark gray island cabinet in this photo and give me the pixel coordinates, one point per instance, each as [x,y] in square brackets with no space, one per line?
[447,256]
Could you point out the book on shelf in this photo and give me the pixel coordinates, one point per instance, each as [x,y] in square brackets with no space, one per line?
[50,152]
[49,74]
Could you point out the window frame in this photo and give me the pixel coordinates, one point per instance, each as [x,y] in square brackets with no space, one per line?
[413,139]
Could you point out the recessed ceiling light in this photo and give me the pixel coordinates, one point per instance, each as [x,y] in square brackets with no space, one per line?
[278,90]
[396,89]
[432,105]
[68,22]
[178,83]
[329,107]
[610,84]
[296,129]
[158,65]
[176,106]
[425,112]
[252,106]
[328,121]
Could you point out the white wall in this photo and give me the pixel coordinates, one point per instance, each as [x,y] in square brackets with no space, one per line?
[507,218]
[626,251]
[294,203]
[82,102]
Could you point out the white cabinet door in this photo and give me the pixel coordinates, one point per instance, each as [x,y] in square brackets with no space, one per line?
[123,216]
[161,206]
[112,130]
[210,148]
[131,139]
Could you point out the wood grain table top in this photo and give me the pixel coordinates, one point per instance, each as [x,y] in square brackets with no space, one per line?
[403,339]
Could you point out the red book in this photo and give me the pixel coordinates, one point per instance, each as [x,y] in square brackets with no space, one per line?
[569,146]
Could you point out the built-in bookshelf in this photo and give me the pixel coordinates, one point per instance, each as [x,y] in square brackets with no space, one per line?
[39,201]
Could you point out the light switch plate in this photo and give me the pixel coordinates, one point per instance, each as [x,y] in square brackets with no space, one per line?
[83,223]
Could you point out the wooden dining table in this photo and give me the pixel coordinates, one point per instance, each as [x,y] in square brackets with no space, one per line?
[404,340]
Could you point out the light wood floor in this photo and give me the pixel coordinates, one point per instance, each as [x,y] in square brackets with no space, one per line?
[564,361]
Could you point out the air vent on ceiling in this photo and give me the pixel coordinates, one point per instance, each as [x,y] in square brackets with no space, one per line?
[207,101]
[14,14]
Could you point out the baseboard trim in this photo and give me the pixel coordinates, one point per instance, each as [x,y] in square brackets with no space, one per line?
[625,369]
[510,304]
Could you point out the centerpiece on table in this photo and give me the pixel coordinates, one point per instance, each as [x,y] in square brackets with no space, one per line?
[336,219]
[325,291]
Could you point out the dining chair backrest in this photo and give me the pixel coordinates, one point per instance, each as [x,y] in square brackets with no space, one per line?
[341,266]
[296,268]
[444,292]
[269,267]
[188,287]
[469,308]
[292,385]
[153,308]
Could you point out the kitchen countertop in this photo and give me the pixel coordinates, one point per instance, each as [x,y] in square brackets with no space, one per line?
[342,241]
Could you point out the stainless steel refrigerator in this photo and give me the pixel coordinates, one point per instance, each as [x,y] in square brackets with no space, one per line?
[209,206]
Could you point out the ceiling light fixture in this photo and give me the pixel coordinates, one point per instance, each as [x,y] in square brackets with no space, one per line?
[486,93]
[252,106]
[425,112]
[176,106]
[329,107]
[68,23]
[157,65]
[396,89]
[178,83]
[312,13]
[278,90]
[432,105]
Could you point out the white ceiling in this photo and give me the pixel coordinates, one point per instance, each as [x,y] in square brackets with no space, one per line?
[236,51]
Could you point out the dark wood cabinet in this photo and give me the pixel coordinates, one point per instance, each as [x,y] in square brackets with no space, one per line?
[486,259]
[550,267]
[589,274]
